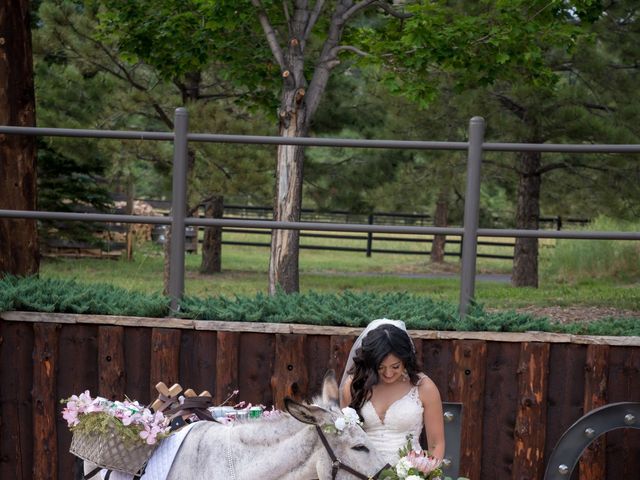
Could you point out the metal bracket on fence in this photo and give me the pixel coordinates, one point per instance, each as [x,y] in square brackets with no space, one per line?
[577,438]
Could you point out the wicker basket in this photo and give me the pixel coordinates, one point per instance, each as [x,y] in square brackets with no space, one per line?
[108,451]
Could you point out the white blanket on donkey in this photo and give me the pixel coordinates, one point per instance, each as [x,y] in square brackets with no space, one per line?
[160,462]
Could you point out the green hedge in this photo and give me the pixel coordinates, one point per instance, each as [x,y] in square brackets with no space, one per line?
[345,309]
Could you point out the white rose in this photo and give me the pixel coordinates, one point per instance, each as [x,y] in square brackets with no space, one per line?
[340,423]
[350,415]
[402,467]
[413,477]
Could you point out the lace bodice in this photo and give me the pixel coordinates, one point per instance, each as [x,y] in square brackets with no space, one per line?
[403,417]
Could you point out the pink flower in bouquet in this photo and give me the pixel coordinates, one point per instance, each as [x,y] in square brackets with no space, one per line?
[423,462]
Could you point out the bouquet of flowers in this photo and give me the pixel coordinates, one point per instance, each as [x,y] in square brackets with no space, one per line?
[114,435]
[414,465]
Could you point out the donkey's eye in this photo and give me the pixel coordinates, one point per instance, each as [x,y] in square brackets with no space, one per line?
[361,448]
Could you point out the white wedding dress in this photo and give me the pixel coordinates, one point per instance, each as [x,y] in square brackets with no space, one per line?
[402,418]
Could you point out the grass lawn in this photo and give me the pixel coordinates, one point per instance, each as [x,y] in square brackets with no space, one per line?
[245,273]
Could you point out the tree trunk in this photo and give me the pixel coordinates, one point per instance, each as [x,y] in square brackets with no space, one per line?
[283,262]
[525,261]
[212,242]
[440,219]
[19,253]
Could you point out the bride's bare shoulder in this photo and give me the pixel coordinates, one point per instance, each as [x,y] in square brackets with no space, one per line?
[427,387]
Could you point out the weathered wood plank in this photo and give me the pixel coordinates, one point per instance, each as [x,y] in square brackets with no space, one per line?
[436,363]
[565,396]
[228,345]
[16,416]
[198,361]
[45,365]
[530,432]
[467,386]
[302,329]
[77,372]
[500,405]
[111,364]
[623,446]
[593,461]
[290,377]
[165,358]
[255,366]
[316,353]
[137,354]
[340,345]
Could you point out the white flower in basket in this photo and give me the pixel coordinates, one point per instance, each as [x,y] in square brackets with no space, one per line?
[114,435]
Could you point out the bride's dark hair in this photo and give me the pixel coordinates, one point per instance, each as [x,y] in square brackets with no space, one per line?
[379,343]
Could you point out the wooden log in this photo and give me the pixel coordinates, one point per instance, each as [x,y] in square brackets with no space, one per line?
[255,368]
[16,416]
[530,432]
[290,377]
[227,345]
[165,356]
[467,386]
[500,404]
[593,461]
[45,365]
[111,365]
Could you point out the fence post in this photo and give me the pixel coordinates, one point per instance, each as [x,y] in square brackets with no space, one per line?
[370,237]
[471,214]
[178,208]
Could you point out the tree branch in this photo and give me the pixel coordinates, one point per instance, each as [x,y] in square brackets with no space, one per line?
[270,33]
[389,9]
[518,110]
[313,18]
[335,51]
[355,9]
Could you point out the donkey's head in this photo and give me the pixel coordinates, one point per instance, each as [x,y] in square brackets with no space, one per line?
[346,452]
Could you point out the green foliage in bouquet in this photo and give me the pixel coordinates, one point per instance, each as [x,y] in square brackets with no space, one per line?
[415,465]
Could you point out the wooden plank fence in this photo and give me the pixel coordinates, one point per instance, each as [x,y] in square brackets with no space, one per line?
[520,391]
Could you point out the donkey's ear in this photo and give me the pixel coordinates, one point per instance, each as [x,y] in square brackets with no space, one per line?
[330,391]
[311,414]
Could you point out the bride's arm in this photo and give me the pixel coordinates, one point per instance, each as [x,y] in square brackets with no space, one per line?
[433,416]
[345,393]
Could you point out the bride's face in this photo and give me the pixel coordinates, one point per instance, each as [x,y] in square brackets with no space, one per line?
[390,369]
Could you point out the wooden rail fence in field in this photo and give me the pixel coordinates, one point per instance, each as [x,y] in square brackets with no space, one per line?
[520,391]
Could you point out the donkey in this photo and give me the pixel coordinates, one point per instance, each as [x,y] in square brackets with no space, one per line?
[302,444]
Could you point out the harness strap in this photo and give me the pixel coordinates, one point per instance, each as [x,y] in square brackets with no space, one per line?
[92,473]
[337,464]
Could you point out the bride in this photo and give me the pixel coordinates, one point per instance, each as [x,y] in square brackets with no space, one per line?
[382,382]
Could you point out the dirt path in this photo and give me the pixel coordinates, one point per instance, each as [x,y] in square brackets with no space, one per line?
[576,314]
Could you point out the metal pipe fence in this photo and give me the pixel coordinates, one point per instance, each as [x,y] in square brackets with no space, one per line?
[180,137]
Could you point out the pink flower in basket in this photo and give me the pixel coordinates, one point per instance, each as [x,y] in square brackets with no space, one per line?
[147,425]
[76,405]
